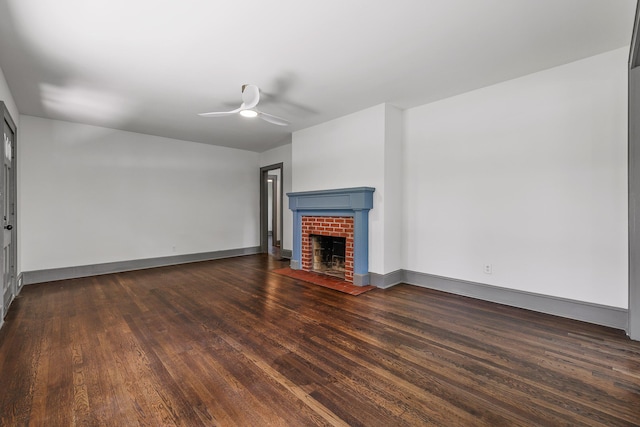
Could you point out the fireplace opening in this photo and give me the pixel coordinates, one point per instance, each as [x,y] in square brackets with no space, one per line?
[328,255]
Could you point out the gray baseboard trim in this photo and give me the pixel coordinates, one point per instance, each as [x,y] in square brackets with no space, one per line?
[286,253]
[385,281]
[613,317]
[294,264]
[50,275]
[360,279]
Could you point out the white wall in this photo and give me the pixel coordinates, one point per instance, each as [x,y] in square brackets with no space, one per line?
[347,152]
[393,184]
[529,176]
[93,195]
[282,155]
[7,98]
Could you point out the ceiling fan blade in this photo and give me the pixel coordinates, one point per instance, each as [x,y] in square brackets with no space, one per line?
[272,119]
[222,113]
[250,96]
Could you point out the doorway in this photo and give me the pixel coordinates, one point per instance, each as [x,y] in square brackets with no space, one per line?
[8,192]
[271,209]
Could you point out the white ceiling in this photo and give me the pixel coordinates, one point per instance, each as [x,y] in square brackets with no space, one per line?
[150,66]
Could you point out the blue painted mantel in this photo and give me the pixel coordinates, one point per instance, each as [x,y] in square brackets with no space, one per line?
[355,202]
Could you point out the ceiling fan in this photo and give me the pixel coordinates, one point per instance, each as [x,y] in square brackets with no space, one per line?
[250,98]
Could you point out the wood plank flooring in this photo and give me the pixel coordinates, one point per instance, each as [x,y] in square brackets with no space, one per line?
[227,342]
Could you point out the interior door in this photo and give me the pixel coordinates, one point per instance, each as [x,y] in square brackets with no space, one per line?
[7,203]
[275,231]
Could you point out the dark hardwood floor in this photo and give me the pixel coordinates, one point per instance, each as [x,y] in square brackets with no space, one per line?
[228,343]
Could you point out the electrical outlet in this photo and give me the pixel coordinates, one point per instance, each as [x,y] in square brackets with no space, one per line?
[487,269]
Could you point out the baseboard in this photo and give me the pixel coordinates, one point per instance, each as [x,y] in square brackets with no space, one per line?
[587,312]
[387,280]
[50,275]
[286,253]
[613,317]
[361,279]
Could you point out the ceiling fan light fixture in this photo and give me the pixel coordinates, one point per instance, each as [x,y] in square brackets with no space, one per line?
[250,98]
[248,113]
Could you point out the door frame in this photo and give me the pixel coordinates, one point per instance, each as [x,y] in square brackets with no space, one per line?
[633,326]
[13,220]
[264,228]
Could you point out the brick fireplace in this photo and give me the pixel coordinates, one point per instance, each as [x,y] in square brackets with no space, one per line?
[340,213]
[330,226]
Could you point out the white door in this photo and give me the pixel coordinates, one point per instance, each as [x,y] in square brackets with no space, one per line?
[7,205]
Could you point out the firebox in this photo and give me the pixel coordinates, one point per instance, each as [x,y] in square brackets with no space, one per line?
[328,255]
